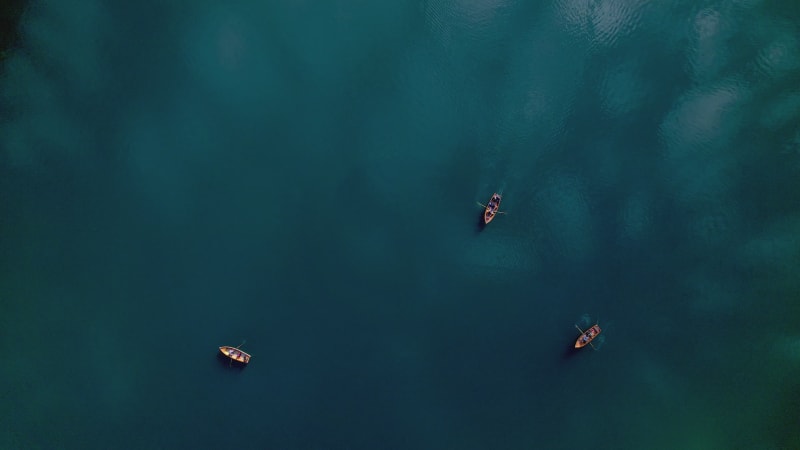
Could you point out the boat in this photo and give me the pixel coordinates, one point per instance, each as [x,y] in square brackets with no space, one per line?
[492,208]
[235,354]
[587,336]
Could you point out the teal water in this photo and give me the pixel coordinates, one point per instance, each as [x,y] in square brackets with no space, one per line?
[305,176]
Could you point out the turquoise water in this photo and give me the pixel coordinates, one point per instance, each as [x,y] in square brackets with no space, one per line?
[304,177]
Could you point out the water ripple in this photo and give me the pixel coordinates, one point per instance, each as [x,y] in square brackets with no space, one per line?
[704,116]
[697,133]
[467,18]
[779,56]
[603,23]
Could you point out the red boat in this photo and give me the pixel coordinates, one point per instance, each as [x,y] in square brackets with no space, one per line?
[587,336]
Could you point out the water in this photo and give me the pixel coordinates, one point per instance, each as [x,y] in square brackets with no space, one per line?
[305,176]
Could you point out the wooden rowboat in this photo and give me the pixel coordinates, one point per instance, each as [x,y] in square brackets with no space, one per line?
[492,208]
[235,354]
[587,336]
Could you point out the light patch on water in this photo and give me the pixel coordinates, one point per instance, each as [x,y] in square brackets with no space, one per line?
[703,116]
[780,56]
[792,147]
[548,91]
[697,165]
[478,11]
[225,52]
[622,90]
[781,111]
[436,18]
[602,23]
[775,250]
[584,321]
[65,35]
[469,18]
[708,52]
[788,348]
[566,211]
[747,4]
[635,217]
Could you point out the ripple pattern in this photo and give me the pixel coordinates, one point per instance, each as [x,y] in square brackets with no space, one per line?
[603,23]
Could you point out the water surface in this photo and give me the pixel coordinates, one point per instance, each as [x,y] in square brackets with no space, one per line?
[305,177]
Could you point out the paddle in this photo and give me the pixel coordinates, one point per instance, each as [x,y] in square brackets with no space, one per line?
[484,206]
[596,322]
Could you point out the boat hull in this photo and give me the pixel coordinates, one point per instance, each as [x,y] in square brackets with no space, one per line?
[235,354]
[492,208]
[588,336]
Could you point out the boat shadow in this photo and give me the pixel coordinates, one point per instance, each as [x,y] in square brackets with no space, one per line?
[569,352]
[229,363]
[481,225]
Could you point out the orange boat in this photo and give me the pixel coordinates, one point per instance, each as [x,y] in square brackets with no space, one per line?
[235,354]
[492,208]
[587,336]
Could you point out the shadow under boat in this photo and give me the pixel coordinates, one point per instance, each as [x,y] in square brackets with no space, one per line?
[481,223]
[230,363]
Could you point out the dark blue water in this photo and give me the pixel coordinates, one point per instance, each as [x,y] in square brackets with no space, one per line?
[305,177]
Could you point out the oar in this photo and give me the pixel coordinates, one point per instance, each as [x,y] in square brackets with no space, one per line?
[481,204]
[241,343]
[579,328]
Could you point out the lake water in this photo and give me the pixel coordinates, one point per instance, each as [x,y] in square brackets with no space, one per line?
[304,176]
